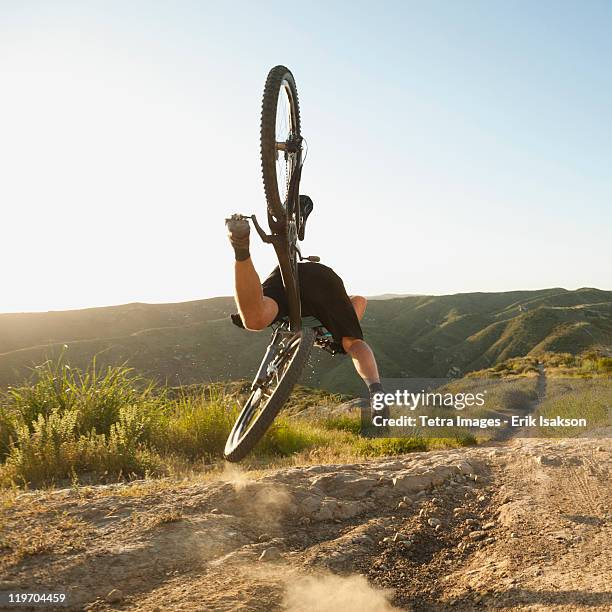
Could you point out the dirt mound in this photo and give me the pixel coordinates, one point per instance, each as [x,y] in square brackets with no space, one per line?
[523,526]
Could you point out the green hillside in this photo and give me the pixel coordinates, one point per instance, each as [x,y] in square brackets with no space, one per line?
[418,336]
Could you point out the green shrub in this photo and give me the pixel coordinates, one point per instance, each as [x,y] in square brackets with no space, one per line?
[195,426]
[289,436]
[105,425]
[590,399]
[8,431]
[604,364]
[96,396]
[345,422]
[376,447]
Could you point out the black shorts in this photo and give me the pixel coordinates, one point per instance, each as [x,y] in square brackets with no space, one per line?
[322,295]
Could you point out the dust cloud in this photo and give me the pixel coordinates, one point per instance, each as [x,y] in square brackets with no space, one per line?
[330,593]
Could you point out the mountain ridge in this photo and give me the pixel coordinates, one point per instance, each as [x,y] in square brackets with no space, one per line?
[412,336]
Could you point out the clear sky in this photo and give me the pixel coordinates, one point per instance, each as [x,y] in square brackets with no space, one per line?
[453,146]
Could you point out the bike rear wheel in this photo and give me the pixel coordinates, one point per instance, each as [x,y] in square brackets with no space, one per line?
[281,146]
[268,398]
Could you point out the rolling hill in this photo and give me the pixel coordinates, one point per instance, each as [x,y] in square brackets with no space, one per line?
[413,336]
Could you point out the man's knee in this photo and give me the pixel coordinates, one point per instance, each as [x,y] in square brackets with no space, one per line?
[254,322]
[349,343]
[359,301]
[359,305]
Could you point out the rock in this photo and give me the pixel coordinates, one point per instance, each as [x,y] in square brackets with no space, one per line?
[434,522]
[477,535]
[488,540]
[402,505]
[270,554]
[600,449]
[409,483]
[400,537]
[264,537]
[347,510]
[422,512]
[490,525]
[362,539]
[471,522]
[327,509]
[438,528]
[514,535]
[114,596]
[464,467]
[548,460]
[309,504]
[215,511]
[482,498]
[345,485]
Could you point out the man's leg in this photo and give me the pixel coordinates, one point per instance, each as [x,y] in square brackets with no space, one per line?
[365,364]
[363,360]
[359,304]
[256,310]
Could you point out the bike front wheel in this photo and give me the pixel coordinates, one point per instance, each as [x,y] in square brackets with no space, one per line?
[269,396]
[281,145]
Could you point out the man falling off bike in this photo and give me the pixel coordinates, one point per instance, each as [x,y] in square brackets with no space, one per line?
[322,296]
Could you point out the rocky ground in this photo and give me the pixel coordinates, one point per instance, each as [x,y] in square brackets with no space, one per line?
[522,526]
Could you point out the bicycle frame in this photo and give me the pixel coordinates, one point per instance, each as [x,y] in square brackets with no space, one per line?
[284,240]
[271,353]
[323,341]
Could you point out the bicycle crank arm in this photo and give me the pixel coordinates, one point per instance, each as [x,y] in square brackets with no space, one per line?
[267,238]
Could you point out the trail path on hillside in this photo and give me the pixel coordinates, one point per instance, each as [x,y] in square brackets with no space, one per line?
[523,526]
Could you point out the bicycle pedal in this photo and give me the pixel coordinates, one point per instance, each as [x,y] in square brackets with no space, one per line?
[239,217]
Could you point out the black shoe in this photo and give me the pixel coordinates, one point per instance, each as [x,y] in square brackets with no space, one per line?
[306,206]
[376,390]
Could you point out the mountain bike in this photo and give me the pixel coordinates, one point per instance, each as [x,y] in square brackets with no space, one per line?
[283,151]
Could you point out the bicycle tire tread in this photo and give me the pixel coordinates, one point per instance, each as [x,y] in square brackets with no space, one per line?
[268,133]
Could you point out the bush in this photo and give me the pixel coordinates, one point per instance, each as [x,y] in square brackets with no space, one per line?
[96,396]
[100,426]
[574,399]
[8,431]
[345,422]
[604,364]
[195,426]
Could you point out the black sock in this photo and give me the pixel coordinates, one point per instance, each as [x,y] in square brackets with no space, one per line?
[241,253]
[375,388]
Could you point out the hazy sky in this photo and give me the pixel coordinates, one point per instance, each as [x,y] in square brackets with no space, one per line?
[453,146]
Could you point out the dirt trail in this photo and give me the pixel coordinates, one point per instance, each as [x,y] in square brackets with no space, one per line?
[525,526]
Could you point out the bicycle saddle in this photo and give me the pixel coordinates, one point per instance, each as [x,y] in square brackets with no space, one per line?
[306,206]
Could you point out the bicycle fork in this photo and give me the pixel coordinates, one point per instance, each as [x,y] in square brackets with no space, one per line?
[271,353]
